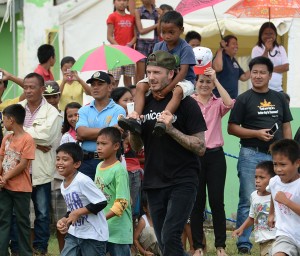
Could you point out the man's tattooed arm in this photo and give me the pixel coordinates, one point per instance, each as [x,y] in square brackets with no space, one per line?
[194,143]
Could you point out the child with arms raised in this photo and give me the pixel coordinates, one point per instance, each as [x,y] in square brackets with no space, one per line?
[259,210]
[285,191]
[171,24]
[84,222]
[112,178]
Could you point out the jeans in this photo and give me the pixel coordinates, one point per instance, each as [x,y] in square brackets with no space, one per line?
[83,247]
[14,247]
[212,175]
[135,188]
[170,209]
[248,159]
[19,202]
[41,198]
[118,249]
[88,167]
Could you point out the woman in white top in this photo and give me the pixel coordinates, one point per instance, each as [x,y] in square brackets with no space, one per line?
[268,46]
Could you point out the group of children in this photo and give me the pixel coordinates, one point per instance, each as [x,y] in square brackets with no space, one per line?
[275,204]
[100,211]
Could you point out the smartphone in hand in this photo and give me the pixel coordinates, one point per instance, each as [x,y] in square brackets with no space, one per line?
[274,129]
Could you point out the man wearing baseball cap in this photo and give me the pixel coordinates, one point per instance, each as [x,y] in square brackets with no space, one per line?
[99,113]
[52,93]
[171,161]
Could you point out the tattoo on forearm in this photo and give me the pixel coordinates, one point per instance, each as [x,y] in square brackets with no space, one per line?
[194,143]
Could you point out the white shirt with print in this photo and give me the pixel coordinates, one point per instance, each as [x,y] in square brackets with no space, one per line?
[259,211]
[287,221]
[81,192]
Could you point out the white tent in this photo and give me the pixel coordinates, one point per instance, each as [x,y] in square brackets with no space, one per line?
[82,26]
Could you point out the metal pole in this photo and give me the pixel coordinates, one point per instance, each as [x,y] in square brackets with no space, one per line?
[217,22]
[13,17]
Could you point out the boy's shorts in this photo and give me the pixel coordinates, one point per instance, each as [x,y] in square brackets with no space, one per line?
[265,247]
[187,86]
[286,245]
[128,70]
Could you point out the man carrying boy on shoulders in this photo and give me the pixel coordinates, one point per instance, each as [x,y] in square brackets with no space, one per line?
[172,164]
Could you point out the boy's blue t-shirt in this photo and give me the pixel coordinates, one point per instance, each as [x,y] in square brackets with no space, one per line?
[184,52]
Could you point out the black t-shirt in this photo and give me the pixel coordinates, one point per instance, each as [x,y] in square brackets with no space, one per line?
[255,111]
[167,162]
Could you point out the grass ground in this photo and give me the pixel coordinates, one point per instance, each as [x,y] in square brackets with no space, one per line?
[231,249]
[211,251]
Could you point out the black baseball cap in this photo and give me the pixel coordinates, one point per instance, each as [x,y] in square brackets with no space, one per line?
[101,76]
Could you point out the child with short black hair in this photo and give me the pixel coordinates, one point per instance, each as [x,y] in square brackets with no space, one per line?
[112,178]
[85,222]
[171,24]
[285,191]
[17,151]
[193,38]
[259,210]
[46,56]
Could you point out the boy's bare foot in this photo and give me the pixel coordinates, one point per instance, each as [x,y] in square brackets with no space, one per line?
[221,251]
[199,252]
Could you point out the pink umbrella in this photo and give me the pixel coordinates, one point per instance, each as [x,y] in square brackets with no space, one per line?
[266,9]
[186,6]
[107,57]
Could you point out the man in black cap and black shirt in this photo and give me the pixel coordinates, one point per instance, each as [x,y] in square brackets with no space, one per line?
[171,161]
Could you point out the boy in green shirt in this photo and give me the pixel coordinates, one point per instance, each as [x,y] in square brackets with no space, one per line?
[112,178]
